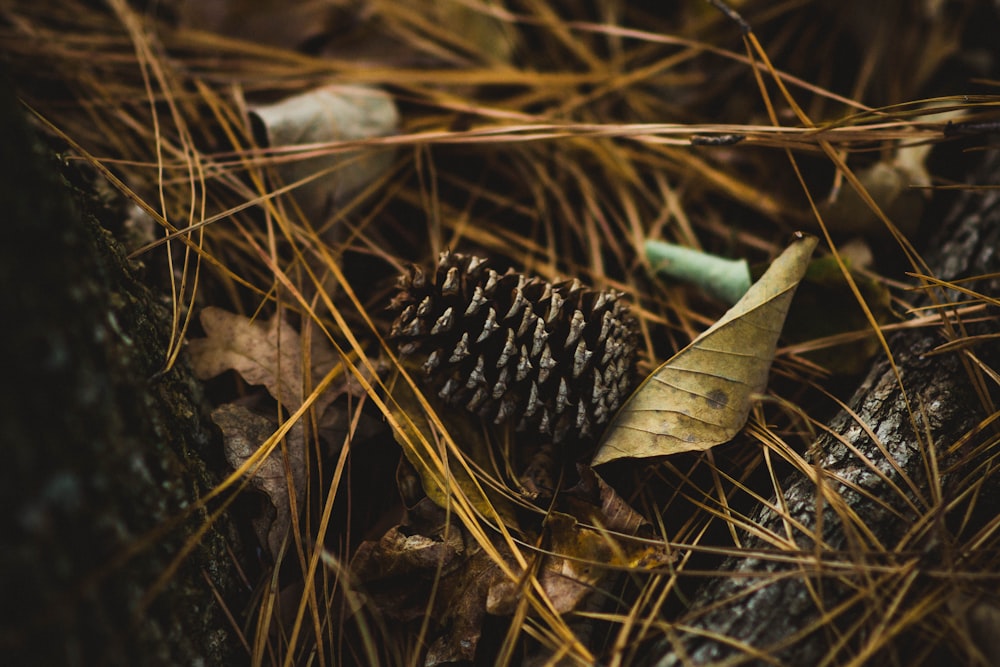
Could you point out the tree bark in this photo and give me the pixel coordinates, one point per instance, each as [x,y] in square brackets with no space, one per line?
[99,448]
[903,521]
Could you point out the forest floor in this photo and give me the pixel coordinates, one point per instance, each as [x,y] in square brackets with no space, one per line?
[338,203]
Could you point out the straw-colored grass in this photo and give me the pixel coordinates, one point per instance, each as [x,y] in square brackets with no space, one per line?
[556,137]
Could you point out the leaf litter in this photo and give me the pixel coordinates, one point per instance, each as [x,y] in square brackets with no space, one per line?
[270,354]
[430,551]
[586,536]
[610,72]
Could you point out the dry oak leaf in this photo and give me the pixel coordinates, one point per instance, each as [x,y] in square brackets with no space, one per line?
[701,396]
[269,354]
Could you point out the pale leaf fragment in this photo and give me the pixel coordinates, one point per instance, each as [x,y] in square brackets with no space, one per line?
[317,120]
[701,396]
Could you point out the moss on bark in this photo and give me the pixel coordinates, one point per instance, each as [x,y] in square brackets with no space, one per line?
[99,448]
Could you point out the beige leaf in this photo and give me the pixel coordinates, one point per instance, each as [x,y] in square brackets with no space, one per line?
[327,115]
[267,354]
[701,396]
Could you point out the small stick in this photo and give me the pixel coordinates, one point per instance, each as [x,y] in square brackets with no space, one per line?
[732,14]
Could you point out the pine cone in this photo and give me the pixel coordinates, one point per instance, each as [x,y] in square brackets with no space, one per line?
[558,358]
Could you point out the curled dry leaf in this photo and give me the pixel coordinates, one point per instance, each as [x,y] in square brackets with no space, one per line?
[429,556]
[427,553]
[269,354]
[701,397]
[328,115]
[243,433]
[425,541]
[592,500]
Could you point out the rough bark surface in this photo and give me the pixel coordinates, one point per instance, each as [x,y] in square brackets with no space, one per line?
[98,449]
[750,611]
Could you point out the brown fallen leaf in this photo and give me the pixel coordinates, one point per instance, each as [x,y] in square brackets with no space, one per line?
[701,396]
[269,354]
[592,500]
[427,555]
[579,559]
[243,433]
[424,541]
